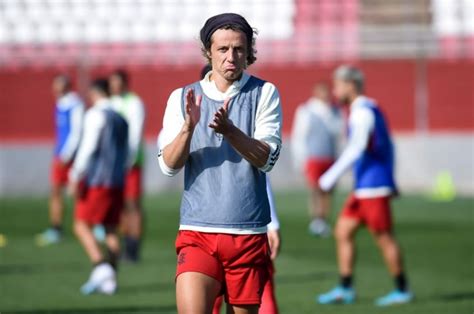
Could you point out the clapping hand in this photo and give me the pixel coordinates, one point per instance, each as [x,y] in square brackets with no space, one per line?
[193,109]
[221,122]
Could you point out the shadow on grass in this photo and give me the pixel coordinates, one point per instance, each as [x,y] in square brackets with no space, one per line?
[452,297]
[118,310]
[456,296]
[26,269]
[154,287]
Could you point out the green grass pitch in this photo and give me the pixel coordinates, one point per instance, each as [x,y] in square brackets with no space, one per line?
[437,238]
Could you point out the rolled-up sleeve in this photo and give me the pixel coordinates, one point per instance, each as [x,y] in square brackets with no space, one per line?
[173,121]
[268,123]
[275,223]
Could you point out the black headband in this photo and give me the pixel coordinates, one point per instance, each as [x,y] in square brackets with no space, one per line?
[216,22]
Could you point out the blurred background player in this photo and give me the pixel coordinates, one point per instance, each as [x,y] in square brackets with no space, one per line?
[315,136]
[96,181]
[370,151]
[68,118]
[269,303]
[225,147]
[131,107]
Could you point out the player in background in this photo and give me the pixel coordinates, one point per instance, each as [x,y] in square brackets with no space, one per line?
[225,130]
[96,181]
[131,107]
[317,129]
[269,303]
[68,116]
[370,151]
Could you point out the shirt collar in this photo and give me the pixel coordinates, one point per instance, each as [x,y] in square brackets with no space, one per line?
[210,89]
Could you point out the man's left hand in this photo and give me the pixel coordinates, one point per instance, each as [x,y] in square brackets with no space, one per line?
[221,123]
[325,184]
[274,241]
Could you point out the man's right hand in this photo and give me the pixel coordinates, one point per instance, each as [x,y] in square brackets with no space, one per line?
[193,110]
[274,241]
[176,153]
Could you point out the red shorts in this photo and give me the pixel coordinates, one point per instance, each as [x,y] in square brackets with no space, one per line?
[268,304]
[98,205]
[239,262]
[374,212]
[59,172]
[133,184]
[315,168]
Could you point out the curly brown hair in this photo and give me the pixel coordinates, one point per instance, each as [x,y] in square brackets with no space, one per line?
[251,51]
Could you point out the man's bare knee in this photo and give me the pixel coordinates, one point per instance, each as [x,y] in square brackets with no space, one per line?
[340,234]
[56,191]
[345,230]
[385,239]
[381,236]
[79,227]
[196,292]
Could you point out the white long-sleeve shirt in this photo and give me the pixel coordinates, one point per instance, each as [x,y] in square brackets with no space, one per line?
[94,122]
[267,121]
[275,223]
[361,124]
[131,107]
[69,148]
[317,128]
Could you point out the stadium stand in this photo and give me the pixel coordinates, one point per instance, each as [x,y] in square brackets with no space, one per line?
[45,32]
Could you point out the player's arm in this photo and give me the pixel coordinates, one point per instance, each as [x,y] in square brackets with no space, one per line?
[273,233]
[135,130]
[93,123]
[254,151]
[361,123]
[263,150]
[178,132]
[74,136]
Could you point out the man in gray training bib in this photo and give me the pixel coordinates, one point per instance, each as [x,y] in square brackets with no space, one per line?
[225,130]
